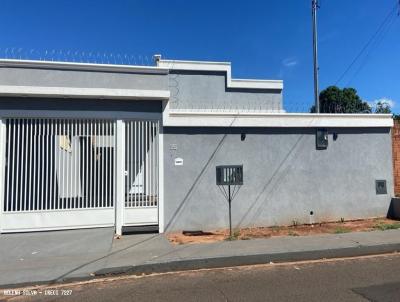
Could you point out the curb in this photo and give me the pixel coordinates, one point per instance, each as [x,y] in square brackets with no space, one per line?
[221,262]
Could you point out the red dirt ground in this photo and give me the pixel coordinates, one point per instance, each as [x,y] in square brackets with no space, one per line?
[299,230]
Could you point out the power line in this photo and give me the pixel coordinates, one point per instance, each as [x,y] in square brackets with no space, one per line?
[371,39]
[374,46]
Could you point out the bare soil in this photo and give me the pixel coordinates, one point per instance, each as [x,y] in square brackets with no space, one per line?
[298,230]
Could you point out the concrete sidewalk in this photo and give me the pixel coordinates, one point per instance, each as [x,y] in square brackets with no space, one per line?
[47,257]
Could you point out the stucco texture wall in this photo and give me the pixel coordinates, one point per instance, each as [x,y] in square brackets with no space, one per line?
[285,177]
[207,90]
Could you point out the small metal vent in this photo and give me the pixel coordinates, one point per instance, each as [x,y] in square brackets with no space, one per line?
[229,175]
[380,187]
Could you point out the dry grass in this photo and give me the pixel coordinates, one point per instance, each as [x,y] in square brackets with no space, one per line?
[296,230]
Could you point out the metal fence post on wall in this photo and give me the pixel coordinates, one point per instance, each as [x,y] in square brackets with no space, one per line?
[120,176]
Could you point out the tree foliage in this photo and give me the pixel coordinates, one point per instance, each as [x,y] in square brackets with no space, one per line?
[383,107]
[346,100]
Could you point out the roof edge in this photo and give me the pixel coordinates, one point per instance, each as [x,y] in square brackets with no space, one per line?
[82,66]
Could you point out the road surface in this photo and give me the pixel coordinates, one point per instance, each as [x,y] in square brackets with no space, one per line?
[359,279]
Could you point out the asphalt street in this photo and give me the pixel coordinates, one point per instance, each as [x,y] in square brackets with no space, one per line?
[374,278]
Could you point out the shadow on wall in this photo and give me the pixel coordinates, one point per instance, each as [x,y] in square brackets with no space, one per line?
[257,202]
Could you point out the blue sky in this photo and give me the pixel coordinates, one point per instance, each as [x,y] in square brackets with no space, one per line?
[262,39]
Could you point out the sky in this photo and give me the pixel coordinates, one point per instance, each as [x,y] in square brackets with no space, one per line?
[263,39]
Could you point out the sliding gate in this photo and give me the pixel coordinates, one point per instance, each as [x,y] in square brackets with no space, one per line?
[61,173]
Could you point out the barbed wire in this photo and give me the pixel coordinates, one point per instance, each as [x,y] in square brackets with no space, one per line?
[77,56]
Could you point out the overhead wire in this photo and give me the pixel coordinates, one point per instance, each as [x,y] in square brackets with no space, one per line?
[369,42]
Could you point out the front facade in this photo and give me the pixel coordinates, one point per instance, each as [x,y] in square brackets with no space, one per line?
[92,145]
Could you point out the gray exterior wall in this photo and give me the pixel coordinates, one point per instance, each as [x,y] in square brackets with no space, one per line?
[207,90]
[81,78]
[285,177]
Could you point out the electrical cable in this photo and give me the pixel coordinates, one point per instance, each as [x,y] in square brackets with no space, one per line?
[371,39]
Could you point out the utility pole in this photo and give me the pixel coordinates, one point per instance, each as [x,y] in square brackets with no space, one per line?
[315,54]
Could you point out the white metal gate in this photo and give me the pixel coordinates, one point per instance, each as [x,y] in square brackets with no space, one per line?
[141,171]
[59,174]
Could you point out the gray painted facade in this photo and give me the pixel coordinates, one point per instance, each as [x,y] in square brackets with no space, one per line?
[285,177]
[82,78]
[208,90]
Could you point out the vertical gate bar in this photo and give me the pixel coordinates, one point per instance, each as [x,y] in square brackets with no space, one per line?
[22,172]
[41,145]
[150,163]
[158,161]
[146,175]
[57,150]
[76,163]
[126,168]
[35,167]
[63,200]
[12,170]
[141,165]
[73,158]
[130,156]
[78,153]
[86,164]
[96,161]
[128,163]
[67,165]
[17,191]
[46,162]
[6,200]
[25,160]
[134,162]
[106,163]
[90,164]
[153,144]
[102,161]
[107,166]
[110,166]
[51,164]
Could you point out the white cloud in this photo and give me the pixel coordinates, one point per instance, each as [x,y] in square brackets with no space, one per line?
[290,62]
[388,101]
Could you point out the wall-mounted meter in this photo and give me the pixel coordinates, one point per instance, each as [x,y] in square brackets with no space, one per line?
[322,139]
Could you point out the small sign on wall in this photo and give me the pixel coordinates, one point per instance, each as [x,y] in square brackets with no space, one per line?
[178,161]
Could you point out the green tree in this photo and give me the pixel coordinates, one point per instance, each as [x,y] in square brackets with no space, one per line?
[383,107]
[336,100]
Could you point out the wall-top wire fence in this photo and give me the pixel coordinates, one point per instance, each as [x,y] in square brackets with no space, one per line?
[77,56]
[54,164]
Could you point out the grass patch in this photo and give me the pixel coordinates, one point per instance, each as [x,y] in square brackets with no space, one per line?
[291,233]
[341,230]
[384,227]
[235,236]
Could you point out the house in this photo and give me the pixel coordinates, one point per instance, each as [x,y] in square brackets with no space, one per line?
[100,145]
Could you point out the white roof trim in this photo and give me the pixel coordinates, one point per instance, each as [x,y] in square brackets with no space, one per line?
[82,66]
[223,67]
[261,119]
[73,92]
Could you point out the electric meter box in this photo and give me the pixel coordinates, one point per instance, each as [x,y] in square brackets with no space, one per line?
[322,139]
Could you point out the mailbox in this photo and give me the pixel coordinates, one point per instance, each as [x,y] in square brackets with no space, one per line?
[230,175]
